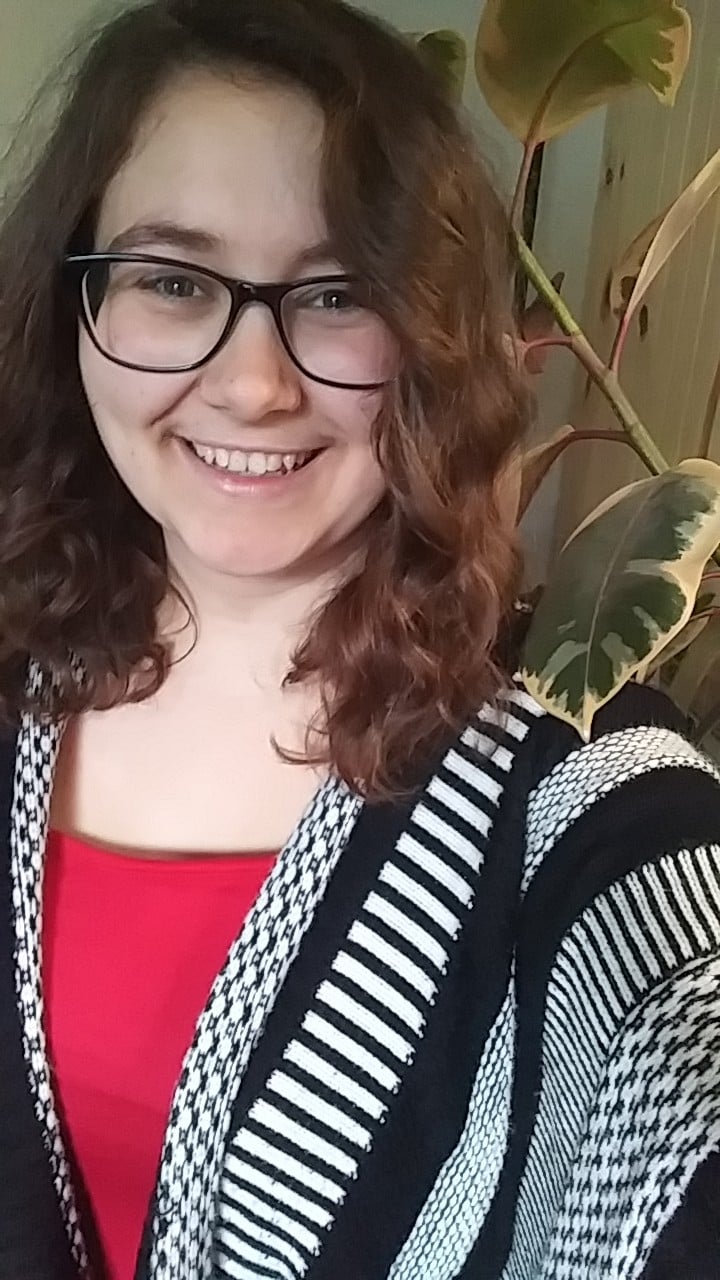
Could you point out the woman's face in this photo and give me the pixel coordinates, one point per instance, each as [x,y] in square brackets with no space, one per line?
[228,178]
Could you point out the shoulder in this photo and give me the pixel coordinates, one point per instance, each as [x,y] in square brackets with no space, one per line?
[640,731]
[639,722]
[639,771]
[617,972]
[589,814]
[621,837]
[639,767]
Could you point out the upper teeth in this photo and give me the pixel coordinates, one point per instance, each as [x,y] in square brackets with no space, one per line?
[255,464]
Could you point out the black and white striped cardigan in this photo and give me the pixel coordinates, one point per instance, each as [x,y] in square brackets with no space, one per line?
[476,1034]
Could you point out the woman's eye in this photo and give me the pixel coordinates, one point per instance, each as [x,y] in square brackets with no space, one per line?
[171,287]
[335,298]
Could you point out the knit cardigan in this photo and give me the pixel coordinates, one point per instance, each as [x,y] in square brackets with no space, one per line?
[471,1034]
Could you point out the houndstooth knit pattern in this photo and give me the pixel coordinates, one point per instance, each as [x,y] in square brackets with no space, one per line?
[626,1057]
[437,865]
[662,1080]
[36,755]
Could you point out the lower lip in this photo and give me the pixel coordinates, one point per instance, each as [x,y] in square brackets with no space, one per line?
[238,483]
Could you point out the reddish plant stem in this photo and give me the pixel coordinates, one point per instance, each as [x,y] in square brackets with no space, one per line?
[538,343]
[616,437]
[706,613]
[620,340]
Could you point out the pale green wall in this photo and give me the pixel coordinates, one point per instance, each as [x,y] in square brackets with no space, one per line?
[33,33]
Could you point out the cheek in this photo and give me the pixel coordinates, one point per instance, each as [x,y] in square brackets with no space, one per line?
[122,401]
[124,404]
[353,415]
[369,477]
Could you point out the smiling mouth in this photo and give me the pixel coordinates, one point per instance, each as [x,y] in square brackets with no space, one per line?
[243,463]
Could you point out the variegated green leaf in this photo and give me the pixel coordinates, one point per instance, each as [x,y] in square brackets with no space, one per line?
[680,643]
[623,586]
[544,64]
[675,654]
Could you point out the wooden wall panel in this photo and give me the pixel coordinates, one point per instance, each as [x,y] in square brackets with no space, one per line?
[650,154]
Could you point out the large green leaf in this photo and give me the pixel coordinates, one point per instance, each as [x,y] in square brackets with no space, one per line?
[544,64]
[684,640]
[623,586]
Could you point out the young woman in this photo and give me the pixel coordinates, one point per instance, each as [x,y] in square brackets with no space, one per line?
[323,952]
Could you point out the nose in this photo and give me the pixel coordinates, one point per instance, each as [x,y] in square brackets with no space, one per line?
[252,375]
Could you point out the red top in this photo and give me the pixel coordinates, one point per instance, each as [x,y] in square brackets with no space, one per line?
[131,948]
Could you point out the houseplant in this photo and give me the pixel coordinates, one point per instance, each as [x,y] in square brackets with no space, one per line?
[632,594]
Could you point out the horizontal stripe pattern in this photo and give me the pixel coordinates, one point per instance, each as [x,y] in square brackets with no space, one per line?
[181,1237]
[316,1118]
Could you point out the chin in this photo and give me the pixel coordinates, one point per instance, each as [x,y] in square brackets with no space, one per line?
[263,560]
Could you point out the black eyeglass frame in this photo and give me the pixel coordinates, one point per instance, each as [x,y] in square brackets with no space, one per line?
[242,292]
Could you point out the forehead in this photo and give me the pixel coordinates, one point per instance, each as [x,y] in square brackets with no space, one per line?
[240,161]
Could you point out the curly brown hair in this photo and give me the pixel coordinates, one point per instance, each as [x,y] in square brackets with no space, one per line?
[408,649]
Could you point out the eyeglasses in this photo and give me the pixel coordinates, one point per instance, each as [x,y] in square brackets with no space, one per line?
[160,315]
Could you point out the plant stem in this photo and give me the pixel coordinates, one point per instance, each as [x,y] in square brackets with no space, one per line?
[706,613]
[517,211]
[616,437]
[603,377]
[545,287]
[538,343]
[620,339]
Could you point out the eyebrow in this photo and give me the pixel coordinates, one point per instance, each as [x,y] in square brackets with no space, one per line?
[147,235]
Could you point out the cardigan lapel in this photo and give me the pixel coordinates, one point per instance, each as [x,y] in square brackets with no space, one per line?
[178,1238]
[33,1242]
[178,1243]
[36,753]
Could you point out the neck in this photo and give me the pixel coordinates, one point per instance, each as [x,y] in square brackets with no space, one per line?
[249,627]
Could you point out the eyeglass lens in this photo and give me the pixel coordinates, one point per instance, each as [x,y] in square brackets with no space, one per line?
[164,318]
